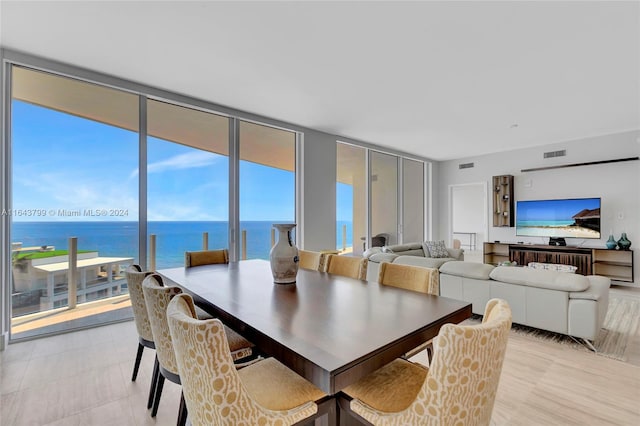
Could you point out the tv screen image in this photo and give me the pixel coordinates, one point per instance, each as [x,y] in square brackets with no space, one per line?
[565,218]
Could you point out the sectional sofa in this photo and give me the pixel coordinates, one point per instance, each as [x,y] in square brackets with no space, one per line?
[407,254]
[561,302]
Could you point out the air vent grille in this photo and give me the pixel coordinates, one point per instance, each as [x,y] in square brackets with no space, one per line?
[553,154]
[465,166]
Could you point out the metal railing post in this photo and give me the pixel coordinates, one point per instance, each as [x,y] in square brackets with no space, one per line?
[152,252]
[72,273]
[244,244]
[205,241]
[344,237]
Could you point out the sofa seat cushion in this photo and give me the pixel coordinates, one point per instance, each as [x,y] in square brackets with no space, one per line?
[479,271]
[541,278]
[383,257]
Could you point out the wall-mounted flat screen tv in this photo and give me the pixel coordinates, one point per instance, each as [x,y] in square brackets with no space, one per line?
[565,218]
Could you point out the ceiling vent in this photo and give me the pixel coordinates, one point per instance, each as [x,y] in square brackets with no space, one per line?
[553,154]
[465,166]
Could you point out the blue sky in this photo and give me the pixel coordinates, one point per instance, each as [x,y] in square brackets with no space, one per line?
[63,162]
[554,209]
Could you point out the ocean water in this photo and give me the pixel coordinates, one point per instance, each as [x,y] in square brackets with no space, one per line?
[120,239]
[547,223]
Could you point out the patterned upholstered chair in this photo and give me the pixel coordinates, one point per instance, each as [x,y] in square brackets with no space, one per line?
[415,278]
[157,298]
[134,276]
[213,257]
[264,393]
[347,266]
[310,259]
[458,388]
[205,257]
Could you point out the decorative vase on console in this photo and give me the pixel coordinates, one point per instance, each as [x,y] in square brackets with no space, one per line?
[624,242]
[284,255]
[611,243]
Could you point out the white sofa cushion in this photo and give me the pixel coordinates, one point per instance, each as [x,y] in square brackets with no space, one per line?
[478,271]
[540,278]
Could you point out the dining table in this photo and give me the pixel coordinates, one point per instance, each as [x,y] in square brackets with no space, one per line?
[330,329]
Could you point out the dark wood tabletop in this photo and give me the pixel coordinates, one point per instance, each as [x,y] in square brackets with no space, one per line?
[331,330]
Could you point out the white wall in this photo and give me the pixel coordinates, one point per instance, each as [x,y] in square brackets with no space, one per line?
[468,203]
[319,191]
[617,184]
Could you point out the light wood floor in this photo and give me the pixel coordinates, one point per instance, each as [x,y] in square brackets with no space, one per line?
[84,378]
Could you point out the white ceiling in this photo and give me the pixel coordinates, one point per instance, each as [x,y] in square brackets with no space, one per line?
[444,80]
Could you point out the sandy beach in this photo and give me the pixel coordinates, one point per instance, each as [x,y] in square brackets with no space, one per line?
[558,231]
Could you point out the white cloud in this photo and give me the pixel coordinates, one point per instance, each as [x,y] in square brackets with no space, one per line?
[188,160]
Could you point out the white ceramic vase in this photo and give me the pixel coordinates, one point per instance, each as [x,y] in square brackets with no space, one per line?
[284,255]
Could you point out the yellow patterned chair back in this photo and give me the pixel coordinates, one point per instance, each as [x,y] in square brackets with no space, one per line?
[309,259]
[415,278]
[218,394]
[205,257]
[157,298]
[461,383]
[135,276]
[347,266]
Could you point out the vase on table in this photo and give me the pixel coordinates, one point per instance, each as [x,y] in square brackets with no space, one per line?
[624,242]
[284,255]
[611,243]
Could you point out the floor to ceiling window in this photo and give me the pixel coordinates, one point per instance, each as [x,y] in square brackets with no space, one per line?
[395,210]
[187,181]
[74,148]
[351,211]
[384,198]
[413,200]
[267,186]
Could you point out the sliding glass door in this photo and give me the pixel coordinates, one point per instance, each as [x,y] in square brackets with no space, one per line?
[383,176]
[413,197]
[351,200]
[74,158]
[187,182]
[387,199]
[267,186]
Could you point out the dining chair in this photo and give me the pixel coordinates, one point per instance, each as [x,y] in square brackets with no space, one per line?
[415,278]
[408,277]
[213,257]
[347,266]
[134,276]
[215,393]
[459,387]
[157,297]
[310,259]
[205,257]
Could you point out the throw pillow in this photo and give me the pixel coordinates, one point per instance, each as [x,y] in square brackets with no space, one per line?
[436,249]
[386,249]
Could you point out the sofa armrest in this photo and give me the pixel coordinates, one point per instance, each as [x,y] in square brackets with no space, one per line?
[457,254]
[370,252]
